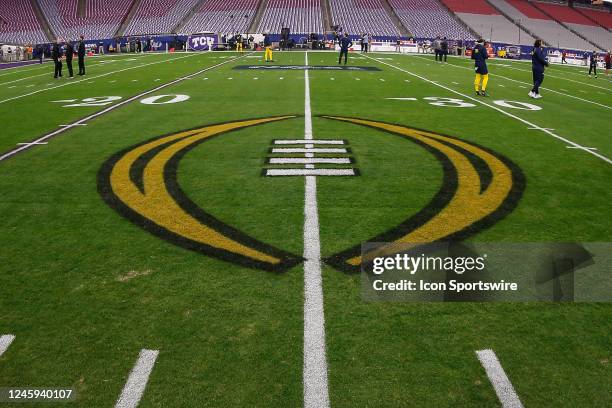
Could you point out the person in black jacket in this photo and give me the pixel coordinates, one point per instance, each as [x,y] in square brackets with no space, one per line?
[40,53]
[345,44]
[593,66]
[81,56]
[56,54]
[69,55]
[538,63]
[444,49]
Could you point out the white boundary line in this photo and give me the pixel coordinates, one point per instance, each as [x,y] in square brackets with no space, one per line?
[527,83]
[137,381]
[94,77]
[80,122]
[316,391]
[480,101]
[5,342]
[502,385]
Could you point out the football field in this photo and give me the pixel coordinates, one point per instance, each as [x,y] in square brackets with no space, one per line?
[184,229]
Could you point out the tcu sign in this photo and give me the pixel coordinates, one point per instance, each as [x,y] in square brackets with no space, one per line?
[202,42]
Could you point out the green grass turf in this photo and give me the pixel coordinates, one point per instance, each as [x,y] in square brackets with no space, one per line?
[232,336]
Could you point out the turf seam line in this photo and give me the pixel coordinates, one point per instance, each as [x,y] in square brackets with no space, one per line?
[499,380]
[5,342]
[576,145]
[316,390]
[81,122]
[137,381]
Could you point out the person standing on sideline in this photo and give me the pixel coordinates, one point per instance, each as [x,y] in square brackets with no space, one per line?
[366,43]
[56,54]
[479,55]
[444,49]
[238,42]
[40,52]
[345,44]
[593,66]
[268,47]
[608,61]
[538,64]
[437,45]
[69,55]
[81,56]
[563,55]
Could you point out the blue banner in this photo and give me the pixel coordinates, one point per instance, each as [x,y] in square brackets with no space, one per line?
[202,42]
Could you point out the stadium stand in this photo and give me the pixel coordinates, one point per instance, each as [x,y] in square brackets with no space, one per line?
[428,19]
[301,16]
[100,20]
[158,16]
[488,22]
[506,21]
[601,17]
[220,16]
[578,22]
[362,16]
[540,24]
[19,24]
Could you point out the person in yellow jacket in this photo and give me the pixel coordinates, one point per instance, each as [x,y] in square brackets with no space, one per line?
[268,47]
[480,56]
[238,42]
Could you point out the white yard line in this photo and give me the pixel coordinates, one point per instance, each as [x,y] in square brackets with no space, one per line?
[308,150]
[5,342]
[502,385]
[306,160]
[43,74]
[316,391]
[137,381]
[12,70]
[303,141]
[94,77]
[23,79]
[544,88]
[557,77]
[480,101]
[310,172]
[81,122]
